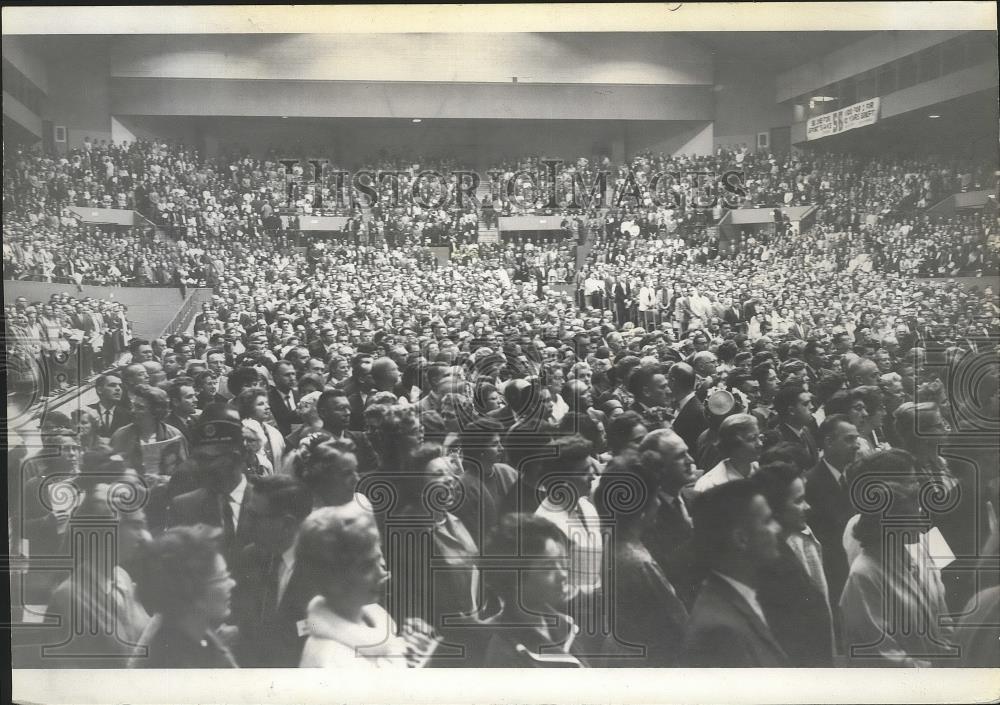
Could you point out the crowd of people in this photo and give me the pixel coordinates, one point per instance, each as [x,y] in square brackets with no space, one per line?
[361,456]
[55,345]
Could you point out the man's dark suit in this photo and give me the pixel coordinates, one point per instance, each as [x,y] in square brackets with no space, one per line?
[319,349]
[796,611]
[284,417]
[120,417]
[806,440]
[182,425]
[725,632]
[203,506]
[269,634]
[353,388]
[733,315]
[830,511]
[668,540]
[690,422]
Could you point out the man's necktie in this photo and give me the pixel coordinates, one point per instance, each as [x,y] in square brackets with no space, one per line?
[107,419]
[228,520]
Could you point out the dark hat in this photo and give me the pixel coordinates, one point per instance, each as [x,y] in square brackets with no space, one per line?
[217,431]
[603,353]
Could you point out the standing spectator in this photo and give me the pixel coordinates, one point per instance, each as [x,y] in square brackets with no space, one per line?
[735,534]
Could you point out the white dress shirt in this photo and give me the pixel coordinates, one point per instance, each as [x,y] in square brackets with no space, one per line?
[236,500]
[747,593]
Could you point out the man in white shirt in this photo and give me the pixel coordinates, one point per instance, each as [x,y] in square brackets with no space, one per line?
[647,304]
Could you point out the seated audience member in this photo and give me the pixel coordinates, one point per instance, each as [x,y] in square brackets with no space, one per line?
[793,590]
[736,536]
[184,582]
[271,596]
[647,617]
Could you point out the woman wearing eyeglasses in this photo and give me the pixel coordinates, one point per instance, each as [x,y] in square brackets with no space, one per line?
[185,584]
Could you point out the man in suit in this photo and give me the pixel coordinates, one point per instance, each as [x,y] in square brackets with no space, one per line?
[828,496]
[357,387]
[690,420]
[794,407]
[92,325]
[183,405]
[735,534]
[668,537]
[326,345]
[112,413]
[648,386]
[271,596]
[283,397]
[219,457]
[732,313]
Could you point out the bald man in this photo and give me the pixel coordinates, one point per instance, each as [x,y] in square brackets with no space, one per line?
[668,537]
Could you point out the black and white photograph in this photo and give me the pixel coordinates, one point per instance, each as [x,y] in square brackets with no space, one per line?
[632,339]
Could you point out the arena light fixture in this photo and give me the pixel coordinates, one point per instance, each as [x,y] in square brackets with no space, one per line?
[823,98]
[933,117]
[416,120]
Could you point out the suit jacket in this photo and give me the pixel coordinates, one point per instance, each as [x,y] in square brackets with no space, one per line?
[690,423]
[181,425]
[269,634]
[668,541]
[318,348]
[725,632]
[283,416]
[204,506]
[831,509]
[353,388]
[797,611]
[807,440]
[120,417]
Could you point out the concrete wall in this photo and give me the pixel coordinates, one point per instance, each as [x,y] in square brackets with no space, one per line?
[186,96]
[23,54]
[954,85]
[745,103]
[692,138]
[856,58]
[79,95]
[600,58]
[149,309]
[17,111]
